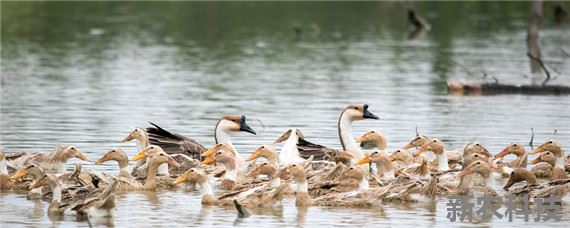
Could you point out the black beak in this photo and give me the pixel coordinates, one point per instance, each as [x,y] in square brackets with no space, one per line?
[244,127]
[368,115]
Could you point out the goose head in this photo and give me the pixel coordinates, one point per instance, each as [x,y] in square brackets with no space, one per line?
[550,145]
[518,175]
[71,151]
[138,133]
[265,168]
[115,154]
[288,134]
[417,141]
[513,148]
[157,156]
[193,176]
[547,157]
[434,145]
[478,166]
[402,155]
[234,123]
[266,151]
[33,169]
[476,147]
[358,112]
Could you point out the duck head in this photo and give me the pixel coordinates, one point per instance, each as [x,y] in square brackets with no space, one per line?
[33,169]
[476,147]
[513,148]
[138,133]
[156,155]
[264,169]
[115,154]
[71,151]
[229,160]
[550,145]
[518,175]
[477,166]
[417,141]
[402,155]
[434,145]
[266,151]
[192,176]
[546,156]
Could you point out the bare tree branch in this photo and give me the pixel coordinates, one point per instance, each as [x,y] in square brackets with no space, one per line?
[539,61]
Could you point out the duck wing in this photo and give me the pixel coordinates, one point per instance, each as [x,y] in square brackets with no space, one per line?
[319,152]
[174,143]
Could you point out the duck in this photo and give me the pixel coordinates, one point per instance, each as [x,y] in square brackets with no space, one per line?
[20,183]
[417,142]
[157,157]
[374,138]
[543,165]
[54,162]
[532,189]
[558,172]
[266,151]
[118,155]
[382,162]
[521,161]
[353,112]
[482,168]
[6,183]
[56,207]
[269,169]
[257,197]
[101,205]
[436,146]
[289,153]
[234,173]
[401,158]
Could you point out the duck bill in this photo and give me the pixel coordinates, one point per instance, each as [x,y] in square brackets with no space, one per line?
[210,151]
[182,178]
[103,159]
[128,138]
[253,156]
[487,153]
[465,172]
[536,161]
[503,153]
[173,162]
[368,115]
[209,160]
[392,157]
[21,173]
[244,127]
[364,160]
[81,156]
[283,137]
[363,138]
[421,150]
[37,184]
[408,146]
[253,173]
[537,150]
[139,156]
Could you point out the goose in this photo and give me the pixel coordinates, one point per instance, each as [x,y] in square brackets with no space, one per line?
[54,162]
[376,138]
[289,153]
[6,183]
[118,155]
[558,172]
[543,164]
[353,112]
[383,164]
[157,157]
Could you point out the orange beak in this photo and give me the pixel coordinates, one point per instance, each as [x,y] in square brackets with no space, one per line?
[408,146]
[364,160]
[538,150]
[105,158]
[253,173]
[392,157]
[140,155]
[209,160]
[180,179]
[536,161]
[253,156]
[19,174]
[422,149]
[210,151]
[465,172]
[129,137]
[81,156]
[503,153]
[37,184]
[363,138]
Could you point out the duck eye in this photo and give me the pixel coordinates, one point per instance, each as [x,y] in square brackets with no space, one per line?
[294,165]
[112,150]
[375,152]
[398,151]
[351,168]
[372,132]
[435,140]
[550,142]
[220,152]
[192,170]
[477,144]
[262,147]
[161,154]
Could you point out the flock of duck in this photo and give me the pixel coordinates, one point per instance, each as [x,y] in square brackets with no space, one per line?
[312,174]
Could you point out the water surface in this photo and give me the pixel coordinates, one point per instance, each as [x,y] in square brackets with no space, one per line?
[87,73]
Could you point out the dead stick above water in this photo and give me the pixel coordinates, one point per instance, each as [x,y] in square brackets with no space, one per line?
[541,65]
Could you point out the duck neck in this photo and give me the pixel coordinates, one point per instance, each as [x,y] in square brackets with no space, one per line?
[381,143]
[363,185]
[124,168]
[275,182]
[560,162]
[346,138]
[231,172]
[522,159]
[301,186]
[442,164]
[151,175]
[163,169]
[56,190]
[142,142]
[290,153]
[206,189]
[3,167]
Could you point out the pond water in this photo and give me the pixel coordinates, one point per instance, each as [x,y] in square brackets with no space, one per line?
[87,73]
